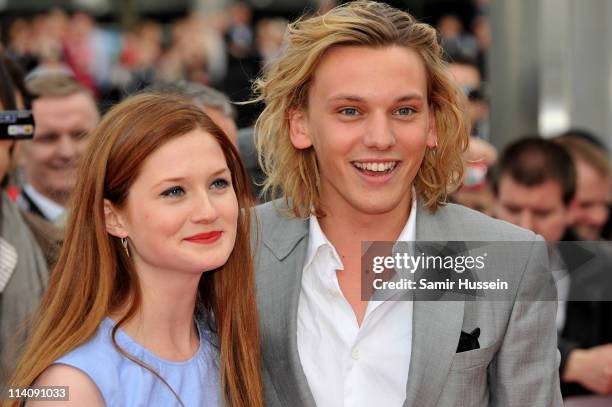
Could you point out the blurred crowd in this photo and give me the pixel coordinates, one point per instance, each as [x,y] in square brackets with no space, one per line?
[68,69]
[224,49]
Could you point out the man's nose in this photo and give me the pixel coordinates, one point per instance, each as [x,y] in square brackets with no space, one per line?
[67,146]
[379,133]
[526,221]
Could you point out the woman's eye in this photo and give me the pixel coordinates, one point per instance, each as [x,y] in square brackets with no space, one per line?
[175,191]
[405,111]
[220,183]
[348,111]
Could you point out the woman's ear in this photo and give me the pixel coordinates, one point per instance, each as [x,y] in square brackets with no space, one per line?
[298,129]
[114,220]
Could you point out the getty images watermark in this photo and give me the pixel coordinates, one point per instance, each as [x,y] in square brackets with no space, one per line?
[406,263]
[491,271]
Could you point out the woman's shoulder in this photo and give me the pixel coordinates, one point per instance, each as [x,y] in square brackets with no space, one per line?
[97,360]
[99,348]
[80,389]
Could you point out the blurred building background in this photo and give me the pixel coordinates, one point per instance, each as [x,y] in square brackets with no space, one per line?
[551,67]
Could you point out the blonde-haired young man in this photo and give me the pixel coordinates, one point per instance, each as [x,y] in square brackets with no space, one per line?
[363,133]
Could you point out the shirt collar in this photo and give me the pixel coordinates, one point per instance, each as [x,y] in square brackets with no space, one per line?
[317,239]
[51,210]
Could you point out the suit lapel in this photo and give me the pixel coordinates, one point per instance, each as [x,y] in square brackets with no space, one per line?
[436,327]
[288,242]
[32,207]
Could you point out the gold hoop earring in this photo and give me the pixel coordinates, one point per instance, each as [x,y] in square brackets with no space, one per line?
[124,243]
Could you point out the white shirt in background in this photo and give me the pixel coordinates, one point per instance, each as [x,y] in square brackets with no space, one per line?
[50,209]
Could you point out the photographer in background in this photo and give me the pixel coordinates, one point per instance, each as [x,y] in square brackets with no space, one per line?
[23,269]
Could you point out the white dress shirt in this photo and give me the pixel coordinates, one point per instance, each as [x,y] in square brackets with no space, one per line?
[50,209]
[562,282]
[347,364]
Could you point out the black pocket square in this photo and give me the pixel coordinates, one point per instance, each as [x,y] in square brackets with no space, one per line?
[468,341]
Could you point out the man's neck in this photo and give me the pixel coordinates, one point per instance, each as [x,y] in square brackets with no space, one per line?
[343,229]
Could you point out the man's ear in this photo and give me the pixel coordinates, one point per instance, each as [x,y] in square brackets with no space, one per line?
[432,131]
[298,129]
[114,221]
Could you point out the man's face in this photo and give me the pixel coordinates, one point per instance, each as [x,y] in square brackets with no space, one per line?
[369,122]
[50,159]
[592,198]
[539,208]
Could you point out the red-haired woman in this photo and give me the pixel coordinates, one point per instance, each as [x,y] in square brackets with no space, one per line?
[152,299]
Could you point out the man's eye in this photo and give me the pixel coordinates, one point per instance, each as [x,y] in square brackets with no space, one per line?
[45,138]
[513,211]
[348,111]
[405,111]
[77,135]
[172,192]
[220,183]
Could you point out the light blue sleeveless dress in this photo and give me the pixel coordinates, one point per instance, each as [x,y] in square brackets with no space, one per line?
[124,383]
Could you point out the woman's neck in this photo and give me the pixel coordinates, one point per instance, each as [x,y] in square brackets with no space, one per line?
[164,322]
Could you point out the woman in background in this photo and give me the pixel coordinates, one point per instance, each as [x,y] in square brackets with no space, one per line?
[152,299]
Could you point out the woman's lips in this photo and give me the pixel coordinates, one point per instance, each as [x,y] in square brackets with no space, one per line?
[205,238]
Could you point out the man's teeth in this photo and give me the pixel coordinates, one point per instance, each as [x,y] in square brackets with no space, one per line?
[377,167]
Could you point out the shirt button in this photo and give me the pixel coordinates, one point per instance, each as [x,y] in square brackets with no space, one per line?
[355,354]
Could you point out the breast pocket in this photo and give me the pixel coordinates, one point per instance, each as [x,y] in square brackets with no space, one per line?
[473,358]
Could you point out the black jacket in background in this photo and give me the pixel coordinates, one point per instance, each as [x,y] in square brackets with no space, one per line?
[587,323]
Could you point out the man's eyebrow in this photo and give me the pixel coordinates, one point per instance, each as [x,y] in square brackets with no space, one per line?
[355,98]
[409,97]
[46,134]
[513,207]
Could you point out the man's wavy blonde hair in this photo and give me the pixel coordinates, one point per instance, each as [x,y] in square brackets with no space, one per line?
[284,87]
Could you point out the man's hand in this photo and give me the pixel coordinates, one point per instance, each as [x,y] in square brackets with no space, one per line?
[592,368]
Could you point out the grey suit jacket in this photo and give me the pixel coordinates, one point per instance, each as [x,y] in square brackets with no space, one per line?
[516,365]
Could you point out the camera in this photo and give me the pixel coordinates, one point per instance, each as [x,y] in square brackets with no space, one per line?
[16,125]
